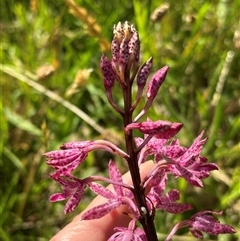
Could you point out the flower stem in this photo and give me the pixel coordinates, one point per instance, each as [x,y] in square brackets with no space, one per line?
[146,219]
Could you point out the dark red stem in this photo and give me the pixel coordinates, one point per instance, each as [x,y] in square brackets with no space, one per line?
[147,220]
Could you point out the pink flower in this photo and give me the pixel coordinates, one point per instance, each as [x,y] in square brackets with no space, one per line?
[157,145]
[164,201]
[120,197]
[74,153]
[131,233]
[202,222]
[183,162]
[65,161]
[167,202]
[73,189]
[191,166]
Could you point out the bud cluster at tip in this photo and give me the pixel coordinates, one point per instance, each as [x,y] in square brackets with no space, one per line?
[125,49]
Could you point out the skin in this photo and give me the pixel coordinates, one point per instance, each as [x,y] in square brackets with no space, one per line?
[98,229]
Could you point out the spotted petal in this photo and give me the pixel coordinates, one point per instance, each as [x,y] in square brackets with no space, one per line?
[101,190]
[100,211]
[204,222]
[115,175]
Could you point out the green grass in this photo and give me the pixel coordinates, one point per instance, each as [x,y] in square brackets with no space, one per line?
[198,40]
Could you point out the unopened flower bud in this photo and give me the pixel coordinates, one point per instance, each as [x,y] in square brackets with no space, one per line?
[150,127]
[171,132]
[127,30]
[143,73]
[123,53]
[134,46]
[118,32]
[154,127]
[156,82]
[115,50]
[108,73]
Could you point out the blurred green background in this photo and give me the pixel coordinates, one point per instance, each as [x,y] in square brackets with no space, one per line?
[51,90]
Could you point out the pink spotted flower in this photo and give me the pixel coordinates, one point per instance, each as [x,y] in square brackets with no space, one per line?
[131,233]
[72,154]
[191,165]
[202,222]
[159,200]
[116,198]
[73,189]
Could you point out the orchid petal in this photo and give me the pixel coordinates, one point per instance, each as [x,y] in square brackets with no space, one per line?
[61,154]
[115,175]
[101,190]
[175,207]
[74,199]
[204,222]
[75,145]
[59,197]
[62,162]
[100,211]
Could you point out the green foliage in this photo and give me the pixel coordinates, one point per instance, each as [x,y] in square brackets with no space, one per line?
[44,46]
